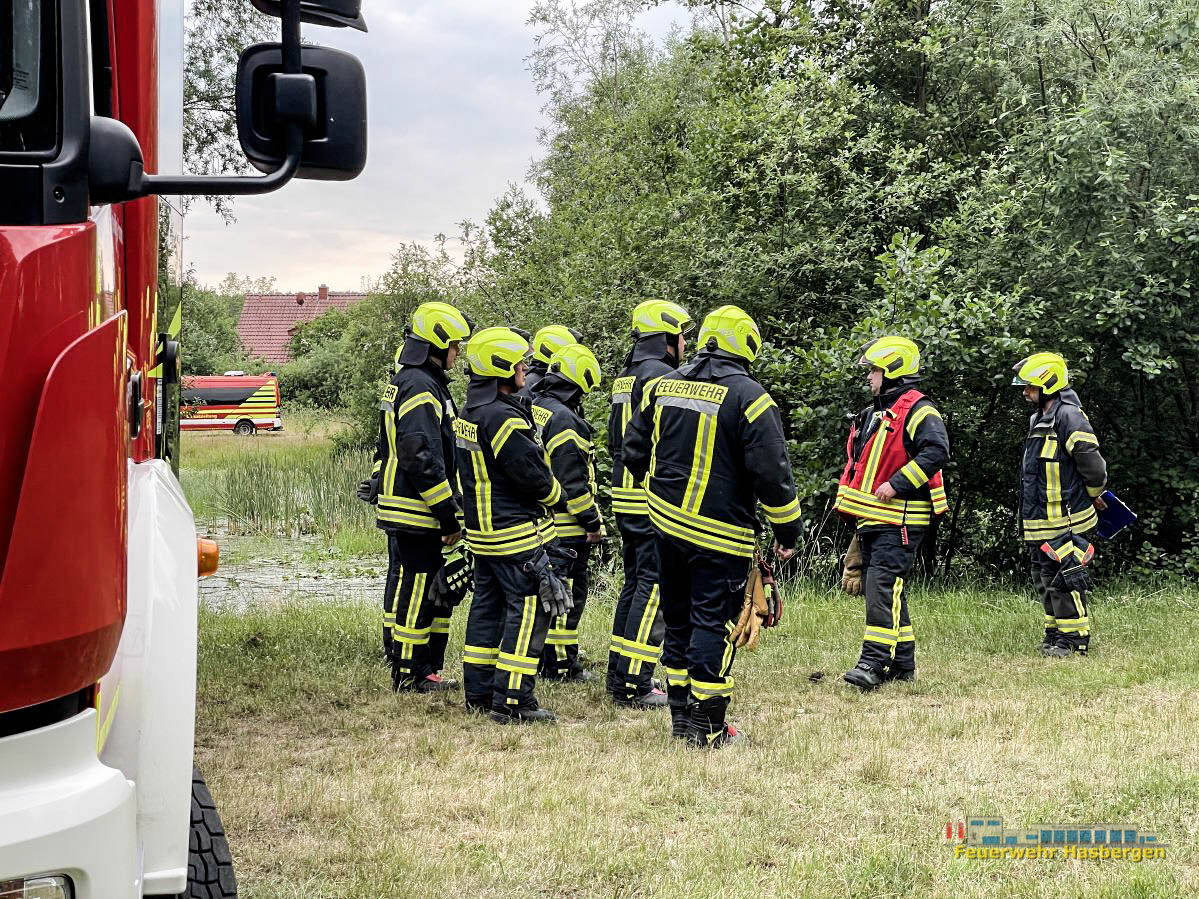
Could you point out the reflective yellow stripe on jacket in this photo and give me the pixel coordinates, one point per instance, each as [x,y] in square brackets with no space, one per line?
[507,541]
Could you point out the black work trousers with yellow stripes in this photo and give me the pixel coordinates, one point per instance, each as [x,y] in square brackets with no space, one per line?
[560,657]
[414,631]
[637,627]
[1066,618]
[505,634]
[889,641]
[702,592]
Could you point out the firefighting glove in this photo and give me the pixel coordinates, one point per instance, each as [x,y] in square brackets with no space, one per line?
[368,491]
[754,612]
[1073,552]
[555,597]
[454,579]
[851,573]
[774,596]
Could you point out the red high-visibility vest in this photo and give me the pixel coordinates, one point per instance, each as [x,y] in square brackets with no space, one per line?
[882,457]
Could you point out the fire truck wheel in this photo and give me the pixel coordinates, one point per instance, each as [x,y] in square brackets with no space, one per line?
[244,428]
[209,863]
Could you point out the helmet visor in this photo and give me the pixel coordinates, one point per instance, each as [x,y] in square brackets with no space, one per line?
[1017,380]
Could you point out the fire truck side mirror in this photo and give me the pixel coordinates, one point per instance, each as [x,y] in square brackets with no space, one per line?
[301,112]
[114,162]
[336,13]
[328,97]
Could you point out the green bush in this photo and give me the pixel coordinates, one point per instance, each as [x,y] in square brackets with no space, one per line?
[987,179]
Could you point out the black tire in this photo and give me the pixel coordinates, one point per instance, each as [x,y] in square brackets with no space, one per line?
[209,862]
[244,428]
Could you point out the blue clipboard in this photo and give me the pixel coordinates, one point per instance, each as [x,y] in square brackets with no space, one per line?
[1115,518]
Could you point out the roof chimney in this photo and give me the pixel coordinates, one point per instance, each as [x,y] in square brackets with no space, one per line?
[324,293]
[299,299]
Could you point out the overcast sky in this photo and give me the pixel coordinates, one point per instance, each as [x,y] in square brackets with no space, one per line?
[453,119]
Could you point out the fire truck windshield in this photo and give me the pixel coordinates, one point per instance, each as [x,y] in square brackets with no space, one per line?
[28,101]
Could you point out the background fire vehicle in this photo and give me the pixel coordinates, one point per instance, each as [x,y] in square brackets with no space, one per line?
[238,403]
[98,549]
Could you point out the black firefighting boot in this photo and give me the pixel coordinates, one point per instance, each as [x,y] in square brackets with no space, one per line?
[654,698]
[679,699]
[862,675]
[1049,640]
[435,683]
[899,674]
[529,714]
[1070,644]
[576,674]
[706,727]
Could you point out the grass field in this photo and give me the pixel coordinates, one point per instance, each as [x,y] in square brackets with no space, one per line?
[332,786]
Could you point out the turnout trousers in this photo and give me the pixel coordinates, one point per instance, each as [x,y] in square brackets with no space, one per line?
[889,641]
[505,635]
[414,632]
[560,657]
[1066,618]
[702,592]
[638,627]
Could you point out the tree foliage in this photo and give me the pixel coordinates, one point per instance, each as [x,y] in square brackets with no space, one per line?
[987,178]
[216,33]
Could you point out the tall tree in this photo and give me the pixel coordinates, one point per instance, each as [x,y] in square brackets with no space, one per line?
[216,33]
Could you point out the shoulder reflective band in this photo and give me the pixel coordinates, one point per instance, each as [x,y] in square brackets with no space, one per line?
[758,406]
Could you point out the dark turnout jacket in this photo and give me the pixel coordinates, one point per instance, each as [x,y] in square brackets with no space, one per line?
[647,362]
[1061,473]
[710,439]
[566,436]
[508,489]
[414,459]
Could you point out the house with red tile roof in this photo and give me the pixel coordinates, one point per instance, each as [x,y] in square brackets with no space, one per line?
[268,320]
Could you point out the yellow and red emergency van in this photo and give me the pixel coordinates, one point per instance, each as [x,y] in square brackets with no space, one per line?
[242,404]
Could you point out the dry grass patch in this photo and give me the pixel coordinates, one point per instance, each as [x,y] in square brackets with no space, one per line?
[333,787]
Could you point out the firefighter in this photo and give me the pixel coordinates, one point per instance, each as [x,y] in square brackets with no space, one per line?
[415,503]
[710,439]
[508,494]
[1062,480]
[546,342]
[562,426]
[891,489]
[659,329]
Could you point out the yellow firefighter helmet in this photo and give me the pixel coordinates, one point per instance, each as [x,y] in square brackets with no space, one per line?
[439,324]
[1045,370]
[660,317]
[495,352]
[578,365]
[552,338]
[896,356]
[731,329]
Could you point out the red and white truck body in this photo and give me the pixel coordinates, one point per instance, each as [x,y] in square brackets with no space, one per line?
[98,547]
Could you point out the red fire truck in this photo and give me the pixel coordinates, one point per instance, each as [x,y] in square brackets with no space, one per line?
[99,556]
